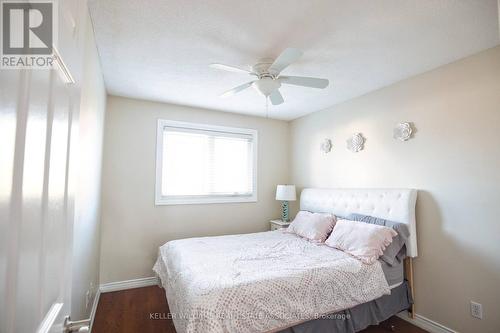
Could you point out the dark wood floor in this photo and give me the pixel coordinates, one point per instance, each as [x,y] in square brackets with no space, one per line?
[130,311]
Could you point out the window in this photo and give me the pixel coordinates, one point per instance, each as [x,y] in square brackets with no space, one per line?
[197,163]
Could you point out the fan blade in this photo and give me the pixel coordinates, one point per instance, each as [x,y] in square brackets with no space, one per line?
[304,81]
[284,60]
[276,98]
[237,89]
[230,68]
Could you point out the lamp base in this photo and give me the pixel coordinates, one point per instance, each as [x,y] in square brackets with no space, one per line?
[284,211]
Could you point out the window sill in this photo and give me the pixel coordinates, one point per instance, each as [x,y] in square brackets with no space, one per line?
[200,201]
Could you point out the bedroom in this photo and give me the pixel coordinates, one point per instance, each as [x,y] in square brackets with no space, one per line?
[120,156]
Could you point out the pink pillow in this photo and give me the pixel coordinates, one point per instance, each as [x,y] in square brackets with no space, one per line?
[364,241]
[313,226]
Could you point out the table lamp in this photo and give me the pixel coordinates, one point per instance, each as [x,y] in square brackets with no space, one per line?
[285,193]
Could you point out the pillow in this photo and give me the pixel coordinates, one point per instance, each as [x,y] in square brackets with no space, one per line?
[364,241]
[396,251]
[313,226]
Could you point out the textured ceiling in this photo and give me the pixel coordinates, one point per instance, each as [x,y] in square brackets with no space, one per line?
[160,49]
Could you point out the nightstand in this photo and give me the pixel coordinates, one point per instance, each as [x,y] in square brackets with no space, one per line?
[278,224]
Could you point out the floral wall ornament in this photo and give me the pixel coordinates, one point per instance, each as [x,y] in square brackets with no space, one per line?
[326,146]
[356,142]
[402,131]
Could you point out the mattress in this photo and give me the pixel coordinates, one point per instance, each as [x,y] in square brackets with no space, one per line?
[260,282]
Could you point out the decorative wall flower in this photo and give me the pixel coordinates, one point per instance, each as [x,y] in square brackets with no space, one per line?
[402,131]
[326,146]
[356,143]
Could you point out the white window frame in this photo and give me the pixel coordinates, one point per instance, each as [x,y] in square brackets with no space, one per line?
[160,199]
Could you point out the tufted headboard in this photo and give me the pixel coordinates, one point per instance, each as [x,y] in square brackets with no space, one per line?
[397,205]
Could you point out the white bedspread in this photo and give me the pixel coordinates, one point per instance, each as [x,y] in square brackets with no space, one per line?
[260,282]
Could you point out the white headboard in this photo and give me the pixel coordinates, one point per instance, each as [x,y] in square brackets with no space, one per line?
[396,205]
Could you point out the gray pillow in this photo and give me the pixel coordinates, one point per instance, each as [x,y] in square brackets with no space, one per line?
[396,251]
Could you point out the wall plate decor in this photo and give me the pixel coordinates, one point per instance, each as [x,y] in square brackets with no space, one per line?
[356,143]
[326,146]
[402,131]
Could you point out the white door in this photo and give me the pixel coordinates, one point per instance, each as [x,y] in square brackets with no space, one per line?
[36,199]
[38,124]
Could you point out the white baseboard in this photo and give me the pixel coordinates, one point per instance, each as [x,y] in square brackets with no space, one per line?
[50,317]
[94,308]
[425,323]
[128,284]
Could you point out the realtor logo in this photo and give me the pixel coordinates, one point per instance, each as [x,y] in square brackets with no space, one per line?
[28,33]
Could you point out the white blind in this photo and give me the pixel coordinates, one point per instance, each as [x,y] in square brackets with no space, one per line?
[198,162]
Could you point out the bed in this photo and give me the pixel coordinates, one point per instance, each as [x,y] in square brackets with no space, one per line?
[275,281]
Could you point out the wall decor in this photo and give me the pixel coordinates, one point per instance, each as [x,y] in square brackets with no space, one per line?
[326,146]
[402,131]
[356,142]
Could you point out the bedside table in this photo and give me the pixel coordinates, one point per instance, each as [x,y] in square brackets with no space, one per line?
[278,224]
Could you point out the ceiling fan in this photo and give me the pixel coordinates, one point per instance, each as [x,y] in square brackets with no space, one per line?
[269,78]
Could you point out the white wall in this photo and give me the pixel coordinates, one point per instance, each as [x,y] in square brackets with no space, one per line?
[132,226]
[454,160]
[86,233]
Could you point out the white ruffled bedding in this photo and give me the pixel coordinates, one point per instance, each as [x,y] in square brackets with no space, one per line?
[260,282]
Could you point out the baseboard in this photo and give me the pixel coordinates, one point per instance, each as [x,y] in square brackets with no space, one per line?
[94,308]
[47,322]
[425,323]
[128,284]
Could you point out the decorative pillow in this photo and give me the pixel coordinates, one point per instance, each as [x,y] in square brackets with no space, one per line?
[364,241]
[313,226]
[396,251]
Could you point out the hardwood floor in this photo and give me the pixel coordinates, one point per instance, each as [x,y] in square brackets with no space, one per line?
[144,310]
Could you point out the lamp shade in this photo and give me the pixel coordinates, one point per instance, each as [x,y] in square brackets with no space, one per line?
[286,193]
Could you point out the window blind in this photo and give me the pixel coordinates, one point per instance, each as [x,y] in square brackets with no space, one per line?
[206,163]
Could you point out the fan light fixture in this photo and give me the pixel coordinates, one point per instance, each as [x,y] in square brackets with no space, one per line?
[266,85]
[269,78]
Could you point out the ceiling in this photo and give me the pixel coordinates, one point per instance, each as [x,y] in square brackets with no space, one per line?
[160,49]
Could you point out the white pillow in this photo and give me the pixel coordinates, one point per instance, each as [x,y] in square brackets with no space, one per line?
[313,226]
[364,241]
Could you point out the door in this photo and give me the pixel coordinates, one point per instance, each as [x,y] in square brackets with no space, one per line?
[38,127]
[36,199]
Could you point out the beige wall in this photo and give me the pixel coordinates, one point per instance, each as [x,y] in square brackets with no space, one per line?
[86,242]
[454,160]
[132,226]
